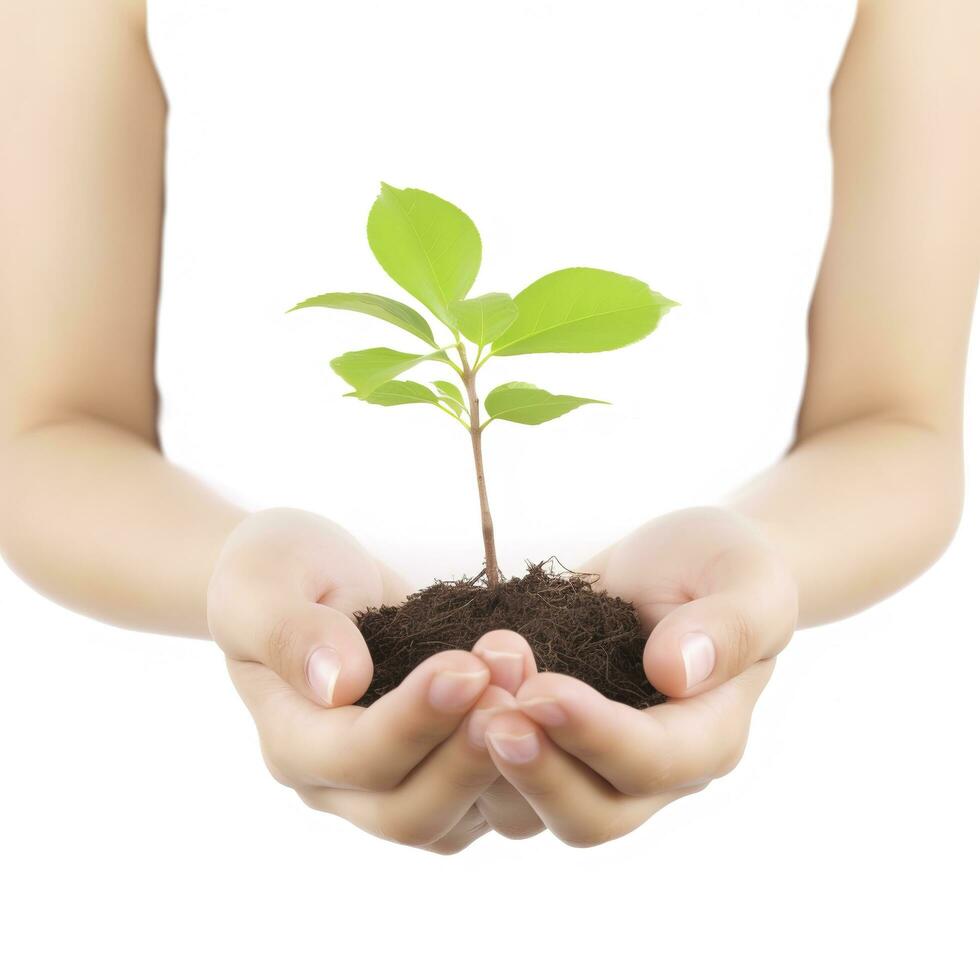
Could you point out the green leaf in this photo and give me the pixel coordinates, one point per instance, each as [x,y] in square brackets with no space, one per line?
[581,310]
[527,404]
[427,245]
[400,393]
[379,306]
[484,318]
[366,370]
[451,395]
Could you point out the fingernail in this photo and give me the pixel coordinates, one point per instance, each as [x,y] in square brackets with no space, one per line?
[698,652]
[507,668]
[516,749]
[476,730]
[322,672]
[455,690]
[546,711]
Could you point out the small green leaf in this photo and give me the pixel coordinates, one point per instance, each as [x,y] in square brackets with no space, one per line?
[451,395]
[581,310]
[366,370]
[379,306]
[527,404]
[400,393]
[484,318]
[427,245]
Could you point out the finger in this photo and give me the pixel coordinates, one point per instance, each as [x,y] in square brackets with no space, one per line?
[509,657]
[705,642]
[391,737]
[298,737]
[320,652]
[435,797]
[471,828]
[507,812]
[676,745]
[371,748]
[339,668]
[276,601]
[574,803]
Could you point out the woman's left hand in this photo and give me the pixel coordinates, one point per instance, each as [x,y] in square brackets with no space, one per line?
[719,603]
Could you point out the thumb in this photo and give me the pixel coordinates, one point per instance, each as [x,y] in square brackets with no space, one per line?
[283,594]
[313,646]
[318,649]
[707,641]
[347,600]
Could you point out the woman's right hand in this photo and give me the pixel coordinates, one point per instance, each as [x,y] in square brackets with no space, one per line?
[407,769]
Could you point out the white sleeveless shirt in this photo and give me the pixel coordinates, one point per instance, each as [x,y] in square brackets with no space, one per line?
[683,142]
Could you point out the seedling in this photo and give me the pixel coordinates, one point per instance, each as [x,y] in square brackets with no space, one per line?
[433,251]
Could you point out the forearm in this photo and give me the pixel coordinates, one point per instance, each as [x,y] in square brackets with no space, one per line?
[858,510]
[94,517]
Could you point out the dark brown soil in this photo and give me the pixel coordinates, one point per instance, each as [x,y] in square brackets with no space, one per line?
[572,628]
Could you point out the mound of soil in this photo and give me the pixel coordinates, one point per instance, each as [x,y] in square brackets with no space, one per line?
[572,628]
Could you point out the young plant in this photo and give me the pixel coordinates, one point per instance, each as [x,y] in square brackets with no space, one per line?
[433,251]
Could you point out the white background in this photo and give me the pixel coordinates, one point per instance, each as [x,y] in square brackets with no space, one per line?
[142,836]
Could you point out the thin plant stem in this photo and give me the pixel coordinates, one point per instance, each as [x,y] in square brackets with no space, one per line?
[476,438]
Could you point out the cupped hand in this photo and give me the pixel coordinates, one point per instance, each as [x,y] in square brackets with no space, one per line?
[409,768]
[719,603]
